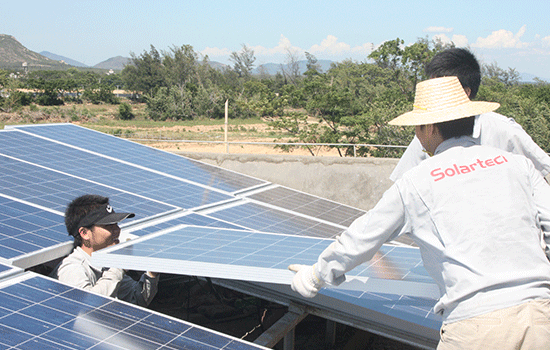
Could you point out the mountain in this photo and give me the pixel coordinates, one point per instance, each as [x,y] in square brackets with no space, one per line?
[55,57]
[115,63]
[13,55]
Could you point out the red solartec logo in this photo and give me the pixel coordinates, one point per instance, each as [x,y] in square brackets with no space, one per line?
[455,169]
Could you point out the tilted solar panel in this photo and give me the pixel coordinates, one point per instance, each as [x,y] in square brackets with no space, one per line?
[133,179]
[26,232]
[262,257]
[308,204]
[145,156]
[40,313]
[54,190]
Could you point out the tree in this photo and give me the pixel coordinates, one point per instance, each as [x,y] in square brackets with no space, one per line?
[243,61]
[312,67]
[144,74]
[291,70]
[492,72]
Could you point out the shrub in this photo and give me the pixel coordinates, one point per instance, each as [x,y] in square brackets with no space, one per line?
[125,112]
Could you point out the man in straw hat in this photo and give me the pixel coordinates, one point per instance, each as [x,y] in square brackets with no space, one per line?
[492,129]
[481,218]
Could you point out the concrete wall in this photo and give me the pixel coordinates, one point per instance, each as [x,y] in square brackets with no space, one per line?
[358,182]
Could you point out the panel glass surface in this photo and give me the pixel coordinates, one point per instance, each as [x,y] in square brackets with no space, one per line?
[266,219]
[412,309]
[189,219]
[106,171]
[25,229]
[55,190]
[40,313]
[309,205]
[146,156]
[255,250]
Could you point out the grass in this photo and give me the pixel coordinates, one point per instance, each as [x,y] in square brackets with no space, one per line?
[103,118]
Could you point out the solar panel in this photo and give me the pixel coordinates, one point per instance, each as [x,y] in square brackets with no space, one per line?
[223,227]
[7,270]
[27,232]
[109,172]
[262,257]
[40,313]
[261,217]
[55,190]
[308,204]
[146,156]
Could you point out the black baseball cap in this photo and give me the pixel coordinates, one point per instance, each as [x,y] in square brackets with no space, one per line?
[104,215]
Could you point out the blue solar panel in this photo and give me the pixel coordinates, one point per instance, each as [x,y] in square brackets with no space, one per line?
[308,205]
[106,171]
[146,156]
[26,229]
[187,219]
[40,313]
[7,270]
[55,190]
[255,256]
[268,219]
[416,310]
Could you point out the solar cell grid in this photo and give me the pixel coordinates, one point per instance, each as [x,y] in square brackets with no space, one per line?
[308,205]
[36,311]
[263,218]
[54,190]
[107,172]
[416,310]
[138,154]
[180,248]
[25,229]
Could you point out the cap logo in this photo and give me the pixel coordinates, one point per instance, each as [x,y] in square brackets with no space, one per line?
[109,208]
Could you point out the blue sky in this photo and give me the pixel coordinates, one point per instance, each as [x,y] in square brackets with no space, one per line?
[512,34]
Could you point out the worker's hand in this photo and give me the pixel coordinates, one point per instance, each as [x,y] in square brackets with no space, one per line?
[305,281]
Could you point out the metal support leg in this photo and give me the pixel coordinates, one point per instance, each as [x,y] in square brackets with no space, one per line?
[283,328]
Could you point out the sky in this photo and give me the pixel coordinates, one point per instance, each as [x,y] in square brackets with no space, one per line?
[512,34]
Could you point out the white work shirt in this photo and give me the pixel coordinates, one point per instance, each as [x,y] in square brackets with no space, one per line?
[476,213]
[490,129]
[76,270]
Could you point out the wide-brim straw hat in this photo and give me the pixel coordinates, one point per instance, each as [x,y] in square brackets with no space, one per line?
[441,100]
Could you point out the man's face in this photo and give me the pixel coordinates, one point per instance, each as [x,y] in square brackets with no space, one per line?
[101,236]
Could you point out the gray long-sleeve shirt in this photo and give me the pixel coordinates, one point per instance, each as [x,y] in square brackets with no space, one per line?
[76,270]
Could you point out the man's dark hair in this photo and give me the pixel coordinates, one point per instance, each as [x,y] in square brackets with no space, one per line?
[457,62]
[77,210]
[456,128]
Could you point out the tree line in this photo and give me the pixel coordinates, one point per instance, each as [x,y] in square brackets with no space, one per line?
[351,103]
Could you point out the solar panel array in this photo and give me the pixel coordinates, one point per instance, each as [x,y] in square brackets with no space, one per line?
[40,313]
[191,218]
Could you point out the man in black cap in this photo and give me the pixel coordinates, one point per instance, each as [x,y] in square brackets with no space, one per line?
[93,223]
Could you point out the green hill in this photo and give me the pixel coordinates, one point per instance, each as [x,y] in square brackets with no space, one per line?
[13,55]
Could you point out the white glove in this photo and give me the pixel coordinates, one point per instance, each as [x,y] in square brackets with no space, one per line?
[305,281]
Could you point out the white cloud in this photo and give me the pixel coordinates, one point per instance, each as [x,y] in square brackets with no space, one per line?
[215,52]
[460,40]
[545,41]
[502,39]
[330,46]
[438,30]
[283,47]
[364,49]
